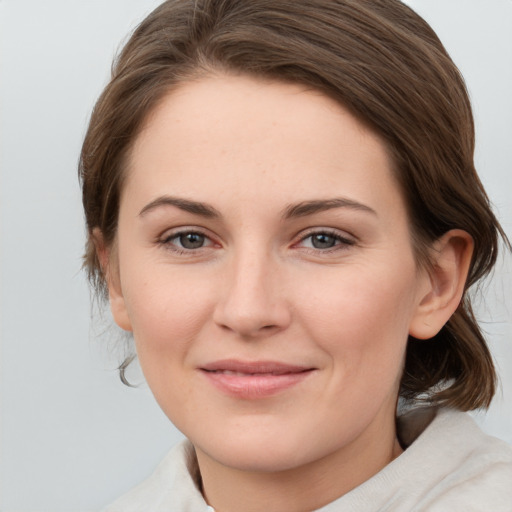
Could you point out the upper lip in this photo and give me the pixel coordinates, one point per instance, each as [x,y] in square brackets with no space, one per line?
[254,367]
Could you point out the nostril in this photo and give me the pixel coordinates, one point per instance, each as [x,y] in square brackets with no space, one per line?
[251,315]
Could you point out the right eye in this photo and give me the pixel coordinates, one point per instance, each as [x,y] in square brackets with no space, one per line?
[186,240]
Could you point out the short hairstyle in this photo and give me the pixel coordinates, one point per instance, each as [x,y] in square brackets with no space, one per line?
[378,59]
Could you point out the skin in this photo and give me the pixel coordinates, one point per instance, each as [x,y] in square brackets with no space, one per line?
[254,169]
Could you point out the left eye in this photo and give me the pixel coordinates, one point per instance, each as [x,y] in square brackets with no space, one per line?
[324,240]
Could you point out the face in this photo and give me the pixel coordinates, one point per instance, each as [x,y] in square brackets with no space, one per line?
[264,265]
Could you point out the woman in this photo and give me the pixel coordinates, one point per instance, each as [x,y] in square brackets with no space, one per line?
[283,208]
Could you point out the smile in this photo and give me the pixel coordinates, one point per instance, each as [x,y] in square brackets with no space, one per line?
[254,380]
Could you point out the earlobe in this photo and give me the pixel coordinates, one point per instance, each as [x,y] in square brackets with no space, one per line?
[444,283]
[110,269]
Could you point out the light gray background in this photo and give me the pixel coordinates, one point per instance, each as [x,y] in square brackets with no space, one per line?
[72,437]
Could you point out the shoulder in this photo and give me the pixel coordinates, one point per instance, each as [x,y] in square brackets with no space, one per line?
[449,464]
[171,486]
[466,468]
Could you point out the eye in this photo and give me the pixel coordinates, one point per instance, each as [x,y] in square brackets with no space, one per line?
[186,241]
[191,240]
[325,240]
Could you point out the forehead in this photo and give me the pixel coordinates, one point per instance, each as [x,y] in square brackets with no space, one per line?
[226,135]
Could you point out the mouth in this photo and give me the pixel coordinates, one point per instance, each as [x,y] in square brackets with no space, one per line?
[254,380]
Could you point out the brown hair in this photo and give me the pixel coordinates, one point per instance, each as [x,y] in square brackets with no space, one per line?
[377,58]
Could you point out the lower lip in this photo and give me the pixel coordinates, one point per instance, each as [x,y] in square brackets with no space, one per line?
[251,387]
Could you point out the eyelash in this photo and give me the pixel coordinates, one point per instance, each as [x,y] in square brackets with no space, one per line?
[340,242]
[167,241]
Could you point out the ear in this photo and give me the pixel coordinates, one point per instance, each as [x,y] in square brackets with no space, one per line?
[444,286]
[107,257]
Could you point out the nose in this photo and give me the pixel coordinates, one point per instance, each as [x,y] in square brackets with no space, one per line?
[252,301]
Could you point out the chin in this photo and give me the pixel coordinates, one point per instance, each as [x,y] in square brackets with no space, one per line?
[265,447]
[262,456]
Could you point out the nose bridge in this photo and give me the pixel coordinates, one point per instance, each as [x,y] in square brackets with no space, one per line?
[252,302]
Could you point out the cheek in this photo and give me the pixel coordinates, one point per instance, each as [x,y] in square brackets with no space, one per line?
[167,314]
[167,317]
[361,319]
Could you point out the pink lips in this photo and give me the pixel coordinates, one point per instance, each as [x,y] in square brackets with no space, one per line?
[252,380]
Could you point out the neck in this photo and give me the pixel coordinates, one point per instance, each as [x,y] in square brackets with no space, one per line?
[303,488]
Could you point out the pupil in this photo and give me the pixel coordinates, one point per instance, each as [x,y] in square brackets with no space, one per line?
[323,241]
[192,240]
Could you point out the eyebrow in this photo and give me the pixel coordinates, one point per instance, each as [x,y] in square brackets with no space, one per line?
[305,208]
[195,207]
[301,209]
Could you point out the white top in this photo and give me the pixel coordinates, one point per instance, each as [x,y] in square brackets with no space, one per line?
[449,466]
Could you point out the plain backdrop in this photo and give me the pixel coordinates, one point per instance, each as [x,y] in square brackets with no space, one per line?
[72,436]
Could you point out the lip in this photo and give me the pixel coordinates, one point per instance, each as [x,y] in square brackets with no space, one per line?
[252,380]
